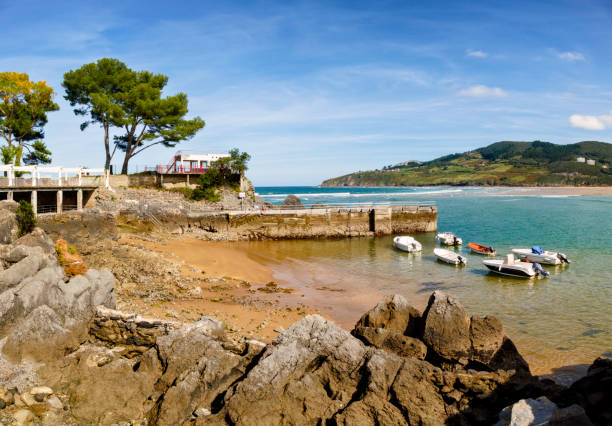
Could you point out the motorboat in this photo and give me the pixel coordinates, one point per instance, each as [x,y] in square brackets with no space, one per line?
[514,268]
[449,239]
[538,255]
[406,243]
[449,256]
[480,249]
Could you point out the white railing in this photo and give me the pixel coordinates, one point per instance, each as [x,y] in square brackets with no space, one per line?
[62,174]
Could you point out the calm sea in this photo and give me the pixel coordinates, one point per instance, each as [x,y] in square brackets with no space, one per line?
[562,320]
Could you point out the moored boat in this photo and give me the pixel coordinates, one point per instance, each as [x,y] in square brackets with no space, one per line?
[449,256]
[480,249]
[407,244]
[536,254]
[515,268]
[449,239]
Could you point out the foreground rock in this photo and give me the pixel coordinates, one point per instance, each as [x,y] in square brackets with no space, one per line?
[69,358]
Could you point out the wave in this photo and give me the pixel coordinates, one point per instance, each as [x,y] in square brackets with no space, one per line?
[363,195]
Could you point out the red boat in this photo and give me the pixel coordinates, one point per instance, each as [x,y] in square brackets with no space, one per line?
[479,249]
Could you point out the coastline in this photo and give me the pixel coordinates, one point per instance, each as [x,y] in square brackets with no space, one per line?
[511,190]
[246,310]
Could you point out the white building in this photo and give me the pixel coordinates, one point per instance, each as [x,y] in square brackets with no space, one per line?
[590,162]
[183,162]
[581,159]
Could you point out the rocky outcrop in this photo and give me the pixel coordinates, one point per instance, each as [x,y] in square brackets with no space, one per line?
[292,201]
[395,367]
[68,258]
[542,411]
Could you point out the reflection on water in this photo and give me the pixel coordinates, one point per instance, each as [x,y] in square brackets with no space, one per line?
[557,321]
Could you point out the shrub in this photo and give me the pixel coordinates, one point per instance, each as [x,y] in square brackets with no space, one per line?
[26,220]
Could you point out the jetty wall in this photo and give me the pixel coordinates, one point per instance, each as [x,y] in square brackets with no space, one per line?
[336,222]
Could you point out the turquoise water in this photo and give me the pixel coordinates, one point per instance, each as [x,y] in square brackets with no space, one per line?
[562,320]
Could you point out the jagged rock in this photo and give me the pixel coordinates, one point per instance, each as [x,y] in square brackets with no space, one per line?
[308,373]
[392,341]
[198,369]
[508,357]
[487,335]
[392,313]
[594,391]
[527,412]
[37,238]
[24,268]
[23,417]
[292,201]
[40,335]
[107,388]
[8,223]
[447,328]
[573,415]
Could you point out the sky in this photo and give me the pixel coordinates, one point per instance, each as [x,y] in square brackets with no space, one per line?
[314,90]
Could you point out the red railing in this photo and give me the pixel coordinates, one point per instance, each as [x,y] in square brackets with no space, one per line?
[175,168]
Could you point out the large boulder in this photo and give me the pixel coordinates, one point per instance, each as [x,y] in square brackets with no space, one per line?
[446,328]
[542,411]
[8,223]
[37,238]
[292,201]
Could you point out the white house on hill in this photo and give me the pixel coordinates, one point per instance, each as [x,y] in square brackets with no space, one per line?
[581,159]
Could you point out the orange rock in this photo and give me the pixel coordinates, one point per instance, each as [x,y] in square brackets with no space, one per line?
[68,258]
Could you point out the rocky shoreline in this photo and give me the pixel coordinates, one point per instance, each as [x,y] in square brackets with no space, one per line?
[69,357]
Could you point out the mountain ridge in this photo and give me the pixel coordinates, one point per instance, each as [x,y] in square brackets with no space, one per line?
[507,163]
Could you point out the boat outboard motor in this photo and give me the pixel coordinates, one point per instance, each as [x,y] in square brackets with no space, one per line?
[462,259]
[539,270]
[563,258]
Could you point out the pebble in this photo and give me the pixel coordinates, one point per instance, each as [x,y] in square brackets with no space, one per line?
[279,329]
[202,412]
[23,417]
[41,392]
[54,403]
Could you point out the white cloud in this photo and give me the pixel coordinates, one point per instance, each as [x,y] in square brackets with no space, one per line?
[571,56]
[481,91]
[476,53]
[591,122]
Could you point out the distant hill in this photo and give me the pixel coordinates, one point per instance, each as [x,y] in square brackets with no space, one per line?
[501,163]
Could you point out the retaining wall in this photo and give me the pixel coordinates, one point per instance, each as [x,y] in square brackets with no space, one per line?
[306,223]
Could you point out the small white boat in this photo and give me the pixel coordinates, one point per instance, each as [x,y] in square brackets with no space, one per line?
[514,268]
[406,243]
[536,254]
[449,239]
[449,257]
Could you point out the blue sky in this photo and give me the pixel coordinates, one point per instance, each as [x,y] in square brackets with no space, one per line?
[318,89]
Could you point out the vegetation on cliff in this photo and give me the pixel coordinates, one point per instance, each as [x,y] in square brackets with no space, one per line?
[501,163]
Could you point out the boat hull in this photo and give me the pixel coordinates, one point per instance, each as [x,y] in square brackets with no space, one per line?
[449,257]
[480,249]
[517,271]
[547,258]
[409,245]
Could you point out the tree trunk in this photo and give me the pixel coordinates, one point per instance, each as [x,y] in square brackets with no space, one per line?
[107,147]
[124,169]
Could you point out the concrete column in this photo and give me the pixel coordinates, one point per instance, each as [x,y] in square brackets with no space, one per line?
[60,201]
[9,195]
[34,201]
[79,199]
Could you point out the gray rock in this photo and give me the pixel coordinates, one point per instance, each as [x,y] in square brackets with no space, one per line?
[574,415]
[292,201]
[25,268]
[38,238]
[8,223]
[527,412]
[393,313]
[487,336]
[447,328]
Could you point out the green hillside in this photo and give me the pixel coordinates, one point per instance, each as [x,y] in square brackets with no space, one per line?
[501,163]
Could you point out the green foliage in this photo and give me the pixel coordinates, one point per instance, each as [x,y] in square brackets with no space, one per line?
[209,194]
[26,219]
[501,163]
[38,154]
[114,95]
[9,154]
[23,112]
